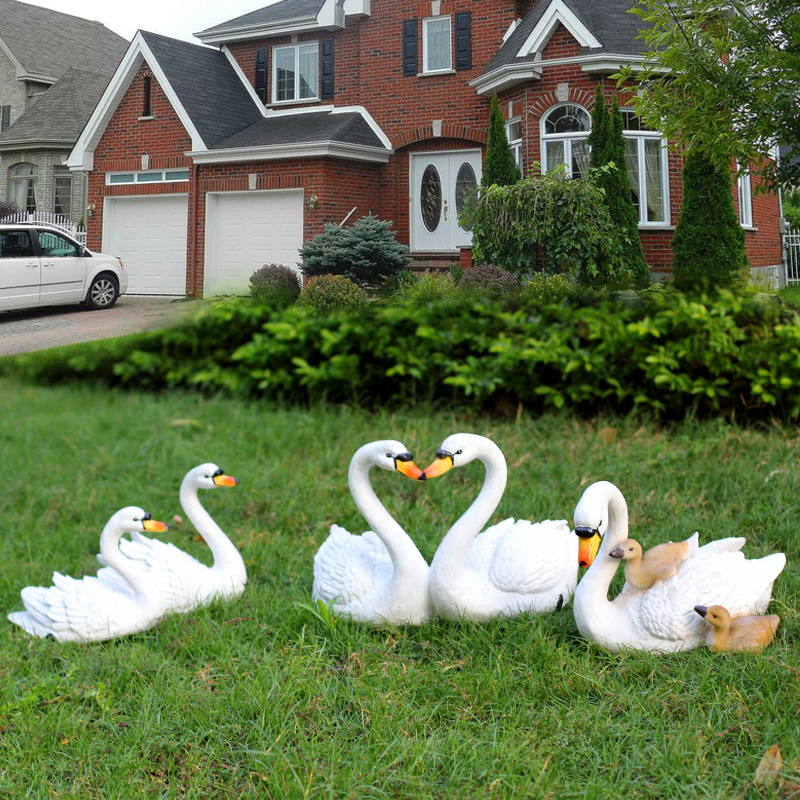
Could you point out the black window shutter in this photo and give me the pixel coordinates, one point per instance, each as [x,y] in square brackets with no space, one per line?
[410,47]
[261,73]
[464,40]
[327,68]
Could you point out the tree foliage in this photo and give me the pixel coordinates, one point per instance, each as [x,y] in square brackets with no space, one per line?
[499,166]
[608,148]
[733,85]
[709,243]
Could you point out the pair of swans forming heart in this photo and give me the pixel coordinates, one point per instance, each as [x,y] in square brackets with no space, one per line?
[141,580]
[381,577]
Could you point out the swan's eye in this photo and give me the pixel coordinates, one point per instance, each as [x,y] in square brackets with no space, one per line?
[458,452]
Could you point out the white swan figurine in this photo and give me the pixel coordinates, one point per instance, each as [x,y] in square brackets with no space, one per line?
[186,582]
[661,618]
[94,609]
[380,576]
[510,568]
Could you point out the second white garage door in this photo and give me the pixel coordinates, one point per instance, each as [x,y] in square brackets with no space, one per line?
[149,235]
[244,231]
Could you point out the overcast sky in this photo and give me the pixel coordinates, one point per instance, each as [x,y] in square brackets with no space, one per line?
[177,18]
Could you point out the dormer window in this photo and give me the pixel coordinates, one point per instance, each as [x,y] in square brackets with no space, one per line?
[295,73]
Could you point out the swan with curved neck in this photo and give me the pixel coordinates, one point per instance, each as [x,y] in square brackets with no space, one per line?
[510,568]
[185,581]
[662,617]
[92,609]
[379,576]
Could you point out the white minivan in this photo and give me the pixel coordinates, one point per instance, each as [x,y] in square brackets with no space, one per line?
[43,266]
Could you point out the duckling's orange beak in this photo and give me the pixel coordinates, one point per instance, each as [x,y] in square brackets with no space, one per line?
[225,480]
[443,463]
[154,526]
[407,467]
[587,548]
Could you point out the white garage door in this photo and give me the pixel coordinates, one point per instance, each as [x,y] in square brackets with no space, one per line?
[244,231]
[149,235]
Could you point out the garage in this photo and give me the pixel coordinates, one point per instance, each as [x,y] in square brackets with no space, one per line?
[244,231]
[149,234]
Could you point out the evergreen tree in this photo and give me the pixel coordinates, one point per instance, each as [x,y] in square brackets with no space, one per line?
[499,166]
[709,243]
[608,146]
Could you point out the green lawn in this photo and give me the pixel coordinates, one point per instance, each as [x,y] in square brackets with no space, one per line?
[256,698]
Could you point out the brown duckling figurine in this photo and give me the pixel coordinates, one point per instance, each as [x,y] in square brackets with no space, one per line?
[657,564]
[752,632]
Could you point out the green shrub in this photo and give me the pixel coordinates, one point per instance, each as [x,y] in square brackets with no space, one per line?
[327,294]
[499,167]
[709,243]
[274,285]
[543,289]
[366,253]
[563,222]
[489,282]
[791,208]
[419,290]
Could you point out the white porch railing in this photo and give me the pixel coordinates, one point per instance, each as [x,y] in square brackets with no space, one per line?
[46,218]
[791,248]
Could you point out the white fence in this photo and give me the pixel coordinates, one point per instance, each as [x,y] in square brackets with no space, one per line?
[791,249]
[56,220]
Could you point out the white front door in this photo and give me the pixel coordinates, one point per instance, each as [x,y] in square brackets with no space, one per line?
[439,184]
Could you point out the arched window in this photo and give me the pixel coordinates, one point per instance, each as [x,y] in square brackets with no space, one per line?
[21,186]
[565,130]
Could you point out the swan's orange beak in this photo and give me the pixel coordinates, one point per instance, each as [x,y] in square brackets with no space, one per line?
[587,549]
[154,526]
[225,480]
[442,464]
[409,468]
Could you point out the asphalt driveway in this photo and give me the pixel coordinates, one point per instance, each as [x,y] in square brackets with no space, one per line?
[40,328]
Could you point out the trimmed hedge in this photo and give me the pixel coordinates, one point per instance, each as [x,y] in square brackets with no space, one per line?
[726,356]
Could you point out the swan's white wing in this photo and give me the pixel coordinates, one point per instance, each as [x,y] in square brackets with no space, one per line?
[346,566]
[718,574]
[483,546]
[532,558]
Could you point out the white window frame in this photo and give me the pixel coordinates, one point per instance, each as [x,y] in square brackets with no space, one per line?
[425,24]
[744,190]
[639,136]
[296,94]
[516,143]
[567,138]
[147,176]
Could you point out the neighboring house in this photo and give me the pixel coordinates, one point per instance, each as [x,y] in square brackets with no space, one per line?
[207,163]
[53,70]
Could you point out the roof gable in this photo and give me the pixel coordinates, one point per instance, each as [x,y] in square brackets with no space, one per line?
[43,44]
[555,13]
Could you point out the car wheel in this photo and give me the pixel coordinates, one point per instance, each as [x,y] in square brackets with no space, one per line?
[103,292]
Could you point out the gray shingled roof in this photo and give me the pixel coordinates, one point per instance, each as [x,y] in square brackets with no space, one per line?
[207,86]
[58,116]
[610,21]
[48,43]
[284,11]
[305,128]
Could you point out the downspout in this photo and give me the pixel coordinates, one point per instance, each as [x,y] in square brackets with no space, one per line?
[194,187]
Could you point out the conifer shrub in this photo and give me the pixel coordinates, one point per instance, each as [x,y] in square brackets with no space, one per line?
[274,285]
[367,253]
[327,294]
[499,167]
[489,282]
[709,243]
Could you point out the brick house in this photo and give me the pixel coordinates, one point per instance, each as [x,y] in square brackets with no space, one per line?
[206,163]
[54,68]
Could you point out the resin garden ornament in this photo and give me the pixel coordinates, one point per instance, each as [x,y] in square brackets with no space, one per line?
[92,609]
[657,564]
[185,582]
[380,576]
[661,618]
[749,633]
[510,568]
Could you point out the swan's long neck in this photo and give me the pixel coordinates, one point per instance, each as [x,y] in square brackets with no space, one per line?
[447,567]
[227,559]
[592,608]
[113,557]
[406,558]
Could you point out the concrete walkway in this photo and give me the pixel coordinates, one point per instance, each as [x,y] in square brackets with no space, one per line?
[40,328]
